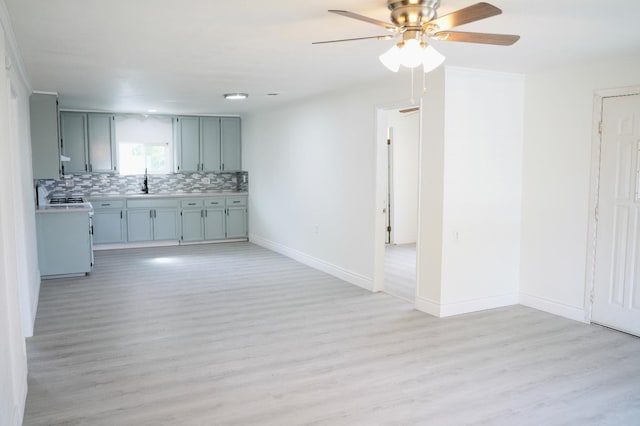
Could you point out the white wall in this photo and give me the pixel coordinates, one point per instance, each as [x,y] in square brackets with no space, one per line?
[313,177]
[405,148]
[483,122]
[19,277]
[556,182]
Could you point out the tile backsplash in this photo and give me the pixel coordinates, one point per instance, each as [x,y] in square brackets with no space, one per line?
[96,184]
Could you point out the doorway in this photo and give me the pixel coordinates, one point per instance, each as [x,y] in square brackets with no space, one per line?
[401,166]
[615,296]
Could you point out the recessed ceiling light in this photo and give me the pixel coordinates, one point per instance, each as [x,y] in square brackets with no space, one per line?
[234,96]
[152,110]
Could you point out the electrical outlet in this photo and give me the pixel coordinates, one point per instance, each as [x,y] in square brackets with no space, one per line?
[69,183]
[206,181]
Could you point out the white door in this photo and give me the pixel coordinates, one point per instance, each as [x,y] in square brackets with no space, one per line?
[616,301]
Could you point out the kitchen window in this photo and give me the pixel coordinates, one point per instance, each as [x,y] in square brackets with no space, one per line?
[144,143]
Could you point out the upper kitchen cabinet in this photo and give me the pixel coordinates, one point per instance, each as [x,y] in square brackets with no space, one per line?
[73,140]
[44,136]
[188,144]
[101,143]
[208,144]
[88,140]
[231,144]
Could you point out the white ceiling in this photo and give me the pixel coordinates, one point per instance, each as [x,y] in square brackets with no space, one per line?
[181,56]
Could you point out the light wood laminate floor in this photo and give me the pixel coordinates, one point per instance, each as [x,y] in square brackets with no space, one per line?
[400,271]
[235,334]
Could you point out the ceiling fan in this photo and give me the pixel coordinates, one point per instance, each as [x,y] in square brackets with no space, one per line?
[415,19]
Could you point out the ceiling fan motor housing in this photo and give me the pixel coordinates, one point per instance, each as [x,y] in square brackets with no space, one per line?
[412,13]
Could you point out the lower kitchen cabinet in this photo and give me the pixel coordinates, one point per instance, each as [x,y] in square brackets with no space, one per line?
[64,243]
[109,222]
[214,224]
[236,222]
[152,225]
[140,219]
[210,219]
[152,220]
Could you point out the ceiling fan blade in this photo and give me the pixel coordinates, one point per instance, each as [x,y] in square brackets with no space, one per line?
[483,38]
[467,15]
[386,25]
[384,37]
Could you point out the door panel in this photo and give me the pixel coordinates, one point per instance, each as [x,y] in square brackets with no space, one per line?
[192,229]
[237,222]
[101,156]
[214,228]
[189,144]
[139,225]
[616,300]
[165,224]
[74,138]
[210,135]
[231,145]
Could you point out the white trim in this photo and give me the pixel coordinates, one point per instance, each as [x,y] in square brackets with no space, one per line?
[553,307]
[42,92]
[428,306]
[99,247]
[116,246]
[12,46]
[314,262]
[449,309]
[594,190]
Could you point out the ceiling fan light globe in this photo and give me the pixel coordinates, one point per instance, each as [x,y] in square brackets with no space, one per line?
[431,59]
[391,58]
[411,53]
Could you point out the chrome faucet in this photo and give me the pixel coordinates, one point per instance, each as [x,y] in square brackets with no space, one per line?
[145,183]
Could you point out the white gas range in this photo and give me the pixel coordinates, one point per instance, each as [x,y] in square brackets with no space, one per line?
[65,236]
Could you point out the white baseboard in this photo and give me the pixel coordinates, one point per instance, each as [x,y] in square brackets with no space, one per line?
[314,262]
[449,309]
[427,306]
[553,307]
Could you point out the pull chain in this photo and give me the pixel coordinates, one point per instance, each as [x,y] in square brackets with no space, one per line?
[411,99]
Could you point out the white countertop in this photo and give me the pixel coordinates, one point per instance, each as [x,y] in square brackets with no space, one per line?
[165,195]
[61,208]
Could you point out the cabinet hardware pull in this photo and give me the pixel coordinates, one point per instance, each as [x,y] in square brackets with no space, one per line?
[236,202]
[105,204]
[120,214]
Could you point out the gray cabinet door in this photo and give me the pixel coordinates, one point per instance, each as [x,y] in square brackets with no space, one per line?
[108,227]
[192,225]
[214,224]
[45,144]
[210,140]
[231,146]
[166,224]
[74,141]
[139,225]
[101,143]
[64,243]
[189,150]
[236,222]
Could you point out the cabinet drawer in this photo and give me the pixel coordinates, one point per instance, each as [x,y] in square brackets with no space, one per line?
[152,204]
[214,202]
[190,204]
[236,201]
[110,204]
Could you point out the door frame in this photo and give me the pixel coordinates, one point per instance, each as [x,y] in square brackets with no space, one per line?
[381,177]
[594,192]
